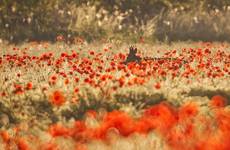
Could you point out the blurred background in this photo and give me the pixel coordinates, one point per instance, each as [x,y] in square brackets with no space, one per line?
[126,20]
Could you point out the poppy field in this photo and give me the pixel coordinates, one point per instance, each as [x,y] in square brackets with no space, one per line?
[55,96]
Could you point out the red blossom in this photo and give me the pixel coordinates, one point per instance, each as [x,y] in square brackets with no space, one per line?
[157,85]
[57,98]
[22,144]
[29,86]
[218,101]
[58,130]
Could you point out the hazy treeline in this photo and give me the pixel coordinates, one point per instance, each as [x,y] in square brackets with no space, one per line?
[164,20]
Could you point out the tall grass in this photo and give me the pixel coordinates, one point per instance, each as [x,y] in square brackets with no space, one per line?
[194,25]
[152,21]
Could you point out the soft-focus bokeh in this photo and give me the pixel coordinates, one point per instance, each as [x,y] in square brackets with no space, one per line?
[114,75]
[154,20]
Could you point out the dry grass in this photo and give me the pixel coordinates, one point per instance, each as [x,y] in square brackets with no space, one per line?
[32,109]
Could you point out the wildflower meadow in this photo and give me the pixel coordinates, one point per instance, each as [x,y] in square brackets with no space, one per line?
[114,75]
[59,96]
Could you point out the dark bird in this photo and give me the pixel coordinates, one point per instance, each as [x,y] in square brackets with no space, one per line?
[132,57]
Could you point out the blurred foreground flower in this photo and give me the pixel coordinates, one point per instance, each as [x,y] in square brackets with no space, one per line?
[218,101]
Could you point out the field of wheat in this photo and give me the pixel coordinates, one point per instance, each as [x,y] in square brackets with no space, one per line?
[83,96]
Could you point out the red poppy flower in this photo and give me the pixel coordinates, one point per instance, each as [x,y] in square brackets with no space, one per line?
[91,52]
[29,86]
[188,110]
[18,89]
[53,78]
[57,98]
[49,146]
[76,79]
[58,130]
[22,145]
[76,90]
[218,101]
[5,136]
[66,81]
[3,94]
[157,85]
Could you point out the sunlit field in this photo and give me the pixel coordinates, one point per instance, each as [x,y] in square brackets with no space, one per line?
[83,96]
